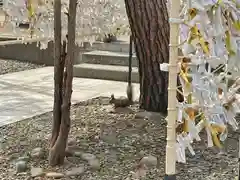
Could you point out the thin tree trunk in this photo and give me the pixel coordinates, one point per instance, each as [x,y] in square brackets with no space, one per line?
[150,30]
[57,152]
[58,73]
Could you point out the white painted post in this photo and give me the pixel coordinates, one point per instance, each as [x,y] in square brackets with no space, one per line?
[172,109]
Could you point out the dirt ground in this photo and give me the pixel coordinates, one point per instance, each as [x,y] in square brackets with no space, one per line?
[117,141]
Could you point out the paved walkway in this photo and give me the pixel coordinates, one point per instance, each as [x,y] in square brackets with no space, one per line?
[30,93]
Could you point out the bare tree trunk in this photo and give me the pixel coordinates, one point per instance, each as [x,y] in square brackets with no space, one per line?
[58,95]
[150,30]
[57,152]
[58,73]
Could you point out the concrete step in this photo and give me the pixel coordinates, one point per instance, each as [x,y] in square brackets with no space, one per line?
[118,46]
[108,58]
[106,72]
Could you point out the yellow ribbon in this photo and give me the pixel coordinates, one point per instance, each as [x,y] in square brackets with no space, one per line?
[228,44]
[30,9]
[31,16]
[236,25]
[192,12]
[218,128]
[191,113]
[196,34]
[215,130]
[219,2]
[184,75]
[185,78]
[183,72]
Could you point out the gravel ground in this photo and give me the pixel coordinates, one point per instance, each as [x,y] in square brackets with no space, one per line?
[123,144]
[10,66]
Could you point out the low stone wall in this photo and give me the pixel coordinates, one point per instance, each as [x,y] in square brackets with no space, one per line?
[32,53]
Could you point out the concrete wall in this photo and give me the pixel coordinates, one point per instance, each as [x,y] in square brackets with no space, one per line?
[32,53]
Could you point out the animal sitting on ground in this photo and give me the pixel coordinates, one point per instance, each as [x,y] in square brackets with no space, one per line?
[123,101]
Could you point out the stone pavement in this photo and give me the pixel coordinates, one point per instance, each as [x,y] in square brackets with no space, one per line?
[29,93]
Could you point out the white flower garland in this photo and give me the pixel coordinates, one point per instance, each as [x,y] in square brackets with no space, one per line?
[210,32]
[94,18]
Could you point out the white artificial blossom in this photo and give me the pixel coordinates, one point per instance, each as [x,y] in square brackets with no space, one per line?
[216,22]
[94,18]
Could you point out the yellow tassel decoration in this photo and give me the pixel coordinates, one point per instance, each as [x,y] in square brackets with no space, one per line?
[214,132]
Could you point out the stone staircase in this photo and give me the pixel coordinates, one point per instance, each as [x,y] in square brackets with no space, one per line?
[108,61]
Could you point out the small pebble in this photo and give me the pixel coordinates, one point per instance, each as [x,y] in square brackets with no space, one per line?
[54,175]
[72,142]
[21,166]
[94,164]
[37,152]
[36,172]
[149,161]
[75,171]
[88,156]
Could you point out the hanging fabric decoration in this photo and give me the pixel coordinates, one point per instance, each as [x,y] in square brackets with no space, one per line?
[94,19]
[31,16]
[210,42]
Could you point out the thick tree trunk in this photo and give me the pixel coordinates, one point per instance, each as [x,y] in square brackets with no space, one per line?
[150,30]
[57,151]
